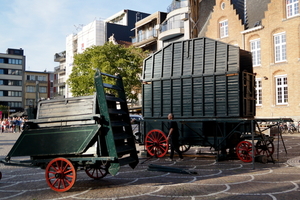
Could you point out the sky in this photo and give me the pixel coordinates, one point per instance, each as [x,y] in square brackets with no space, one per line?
[40,27]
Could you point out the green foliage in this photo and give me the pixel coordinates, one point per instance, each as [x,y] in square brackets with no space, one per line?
[4,109]
[110,59]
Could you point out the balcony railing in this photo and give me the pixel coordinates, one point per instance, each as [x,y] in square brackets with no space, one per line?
[60,56]
[177,4]
[59,81]
[59,68]
[147,34]
[172,24]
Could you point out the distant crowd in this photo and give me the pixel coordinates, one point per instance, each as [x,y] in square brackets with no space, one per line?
[12,124]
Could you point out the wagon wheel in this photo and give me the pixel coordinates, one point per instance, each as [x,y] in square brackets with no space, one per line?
[244,151]
[266,149]
[60,174]
[97,171]
[156,143]
[184,148]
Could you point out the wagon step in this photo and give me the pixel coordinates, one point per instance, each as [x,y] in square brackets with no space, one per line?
[116,111]
[121,150]
[118,123]
[114,99]
[122,136]
[109,86]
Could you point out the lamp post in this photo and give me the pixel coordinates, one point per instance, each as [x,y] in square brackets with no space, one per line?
[37,90]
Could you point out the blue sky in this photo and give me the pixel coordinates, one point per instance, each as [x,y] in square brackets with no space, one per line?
[40,27]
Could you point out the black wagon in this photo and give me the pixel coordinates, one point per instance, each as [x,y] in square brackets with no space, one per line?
[209,86]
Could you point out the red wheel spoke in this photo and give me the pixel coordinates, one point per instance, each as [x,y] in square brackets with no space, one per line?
[66,172]
[60,174]
[155,143]
[244,151]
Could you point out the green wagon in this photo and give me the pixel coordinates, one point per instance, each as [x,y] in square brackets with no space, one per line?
[210,88]
[92,133]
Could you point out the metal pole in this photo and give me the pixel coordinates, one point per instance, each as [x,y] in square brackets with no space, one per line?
[37,90]
[253,156]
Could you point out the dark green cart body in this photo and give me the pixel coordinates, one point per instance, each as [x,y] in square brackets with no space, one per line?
[208,85]
[88,130]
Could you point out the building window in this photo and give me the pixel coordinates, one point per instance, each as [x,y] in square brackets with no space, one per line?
[41,78]
[3,71]
[15,72]
[223,5]
[14,82]
[14,61]
[223,29]
[258,88]
[30,77]
[1,94]
[255,49]
[43,89]
[61,91]
[281,90]
[30,88]
[14,93]
[30,102]
[15,104]
[280,47]
[292,8]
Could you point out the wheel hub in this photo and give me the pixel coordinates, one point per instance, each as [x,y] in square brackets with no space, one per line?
[59,175]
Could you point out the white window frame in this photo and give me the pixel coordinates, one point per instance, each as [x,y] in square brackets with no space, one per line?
[281,90]
[280,47]
[41,78]
[223,28]
[258,94]
[43,89]
[256,53]
[292,8]
[30,88]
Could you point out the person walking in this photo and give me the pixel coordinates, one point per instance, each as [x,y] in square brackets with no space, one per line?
[173,138]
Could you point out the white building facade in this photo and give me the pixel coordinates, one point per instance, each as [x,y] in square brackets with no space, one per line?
[90,35]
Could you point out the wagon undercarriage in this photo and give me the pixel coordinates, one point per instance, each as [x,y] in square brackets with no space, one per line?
[231,138]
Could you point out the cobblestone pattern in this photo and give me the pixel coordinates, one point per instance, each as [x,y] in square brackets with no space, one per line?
[223,180]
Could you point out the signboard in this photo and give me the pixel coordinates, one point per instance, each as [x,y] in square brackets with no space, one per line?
[0,114]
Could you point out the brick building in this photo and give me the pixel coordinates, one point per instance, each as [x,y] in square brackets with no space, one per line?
[270,29]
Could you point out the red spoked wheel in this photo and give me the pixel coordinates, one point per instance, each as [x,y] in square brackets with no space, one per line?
[156,143]
[244,151]
[97,171]
[264,148]
[60,174]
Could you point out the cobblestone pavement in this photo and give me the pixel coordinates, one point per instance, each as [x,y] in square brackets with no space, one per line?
[214,180]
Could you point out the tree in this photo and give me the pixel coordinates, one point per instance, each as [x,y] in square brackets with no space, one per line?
[110,59]
[4,110]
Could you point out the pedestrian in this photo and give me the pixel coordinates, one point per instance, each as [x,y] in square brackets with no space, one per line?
[173,138]
[18,124]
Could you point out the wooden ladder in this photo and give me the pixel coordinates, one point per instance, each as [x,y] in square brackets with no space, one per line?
[115,122]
